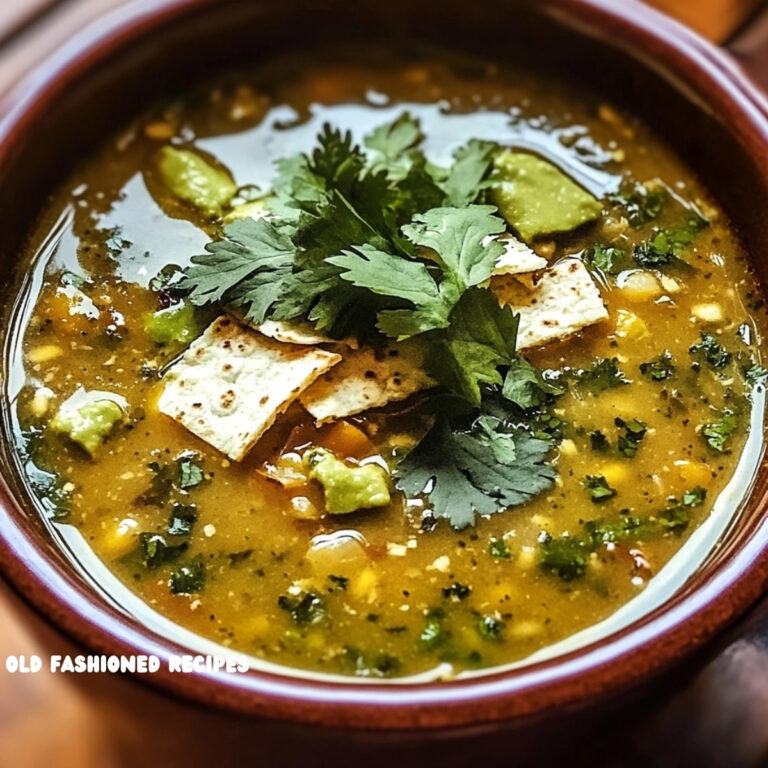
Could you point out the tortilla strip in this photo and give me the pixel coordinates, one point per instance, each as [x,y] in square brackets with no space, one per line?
[369,377]
[517,258]
[291,333]
[232,383]
[565,300]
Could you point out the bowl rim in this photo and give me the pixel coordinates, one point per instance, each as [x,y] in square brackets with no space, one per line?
[622,660]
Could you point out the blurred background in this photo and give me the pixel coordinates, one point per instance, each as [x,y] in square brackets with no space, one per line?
[716,715]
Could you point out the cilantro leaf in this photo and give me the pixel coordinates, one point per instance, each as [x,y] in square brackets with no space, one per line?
[666,245]
[480,471]
[391,142]
[308,609]
[385,274]
[498,548]
[457,236]
[634,432]
[606,258]
[188,579]
[711,351]
[526,386]
[247,248]
[598,488]
[471,166]
[481,338]
[717,433]
[755,375]
[190,474]
[695,497]
[566,556]
[604,373]
[660,369]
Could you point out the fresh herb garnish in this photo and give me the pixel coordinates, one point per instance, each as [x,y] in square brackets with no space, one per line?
[434,633]
[603,374]
[660,369]
[305,610]
[457,591]
[566,556]
[711,351]
[634,432]
[183,517]
[190,473]
[598,441]
[717,433]
[188,579]
[498,548]
[606,258]
[482,470]
[666,245]
[157,551]
[598,488]
[490,628]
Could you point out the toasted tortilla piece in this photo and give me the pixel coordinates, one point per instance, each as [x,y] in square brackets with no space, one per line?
[518,258]
[565,300]
[369,377]
[230,385]
[299,333]
[292,333]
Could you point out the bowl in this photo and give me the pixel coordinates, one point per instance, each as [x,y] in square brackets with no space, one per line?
[691,92]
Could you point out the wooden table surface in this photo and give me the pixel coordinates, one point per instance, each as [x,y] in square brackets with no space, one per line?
[714,714]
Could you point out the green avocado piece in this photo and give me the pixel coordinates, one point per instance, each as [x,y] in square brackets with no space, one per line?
[87,418]
[196,181]
[177,323]
[537,198]
[347,489]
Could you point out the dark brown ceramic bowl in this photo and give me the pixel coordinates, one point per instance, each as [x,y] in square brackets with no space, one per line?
[693,94]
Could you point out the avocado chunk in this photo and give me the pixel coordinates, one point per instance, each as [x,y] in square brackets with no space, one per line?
[196,181]
[347,489]
[537,198]
[177,323]
[86,418]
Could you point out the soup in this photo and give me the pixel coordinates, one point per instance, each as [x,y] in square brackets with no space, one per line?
[376,368]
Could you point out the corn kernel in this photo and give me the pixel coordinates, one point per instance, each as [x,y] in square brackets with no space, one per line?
[639,285]
[629,325]
[615,473]
[44,353]
[708,313]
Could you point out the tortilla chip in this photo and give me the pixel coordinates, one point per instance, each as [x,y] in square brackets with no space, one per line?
[518,258]
[298,333]
[291,333]
[230,385]
[369,377]
[565,300]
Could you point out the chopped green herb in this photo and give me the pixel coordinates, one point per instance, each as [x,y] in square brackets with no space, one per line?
[498,548]
[457,591]
[712,351]
[666,245]
[434,634]
[338,582]
[642,204]
[183,517]
[602,375]
[755,375]
[598,441]
[566,556]
[695,497]
[634,432]
[157,551]
[188,579]
[305,610]
[490,628]
[190,473]
[606,258]
[660,369]
[598,488]
[717,433]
